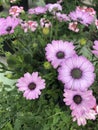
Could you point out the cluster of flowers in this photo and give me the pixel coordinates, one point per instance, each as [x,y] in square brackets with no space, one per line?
[75,72]
[77,75]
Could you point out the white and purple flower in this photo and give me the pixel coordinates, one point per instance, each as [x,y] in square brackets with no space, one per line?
[58,51]
[31,85]
[77,73]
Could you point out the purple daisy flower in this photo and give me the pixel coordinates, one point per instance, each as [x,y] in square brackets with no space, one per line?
[2,22]
[62,17]
[31,85]
[79,101]
[77,73]
[95,47]
[8,25]
[82,120]
[37,10]
[83,17]
[53,8]
[58,51]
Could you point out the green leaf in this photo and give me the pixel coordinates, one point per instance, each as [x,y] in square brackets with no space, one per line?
[18,124]
[8,127]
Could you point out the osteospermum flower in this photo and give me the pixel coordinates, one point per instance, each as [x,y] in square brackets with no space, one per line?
[53,8]
[58,51]
[90,10]
[77,73]
[37,10]
[8,25]
[79,101]
[73,26]
[95,47]
[31,85]
[82,120]
[83,17]
[62,17]
[15,10]
[2,22]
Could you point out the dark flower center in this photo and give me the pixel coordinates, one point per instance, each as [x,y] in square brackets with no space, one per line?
[60,55]
[32,86]
[77,99]
[9,28]
[80,19]
[76,73]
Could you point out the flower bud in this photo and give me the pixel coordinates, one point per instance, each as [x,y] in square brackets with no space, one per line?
[47,65]
[45,31]
[82,41]
[34,45]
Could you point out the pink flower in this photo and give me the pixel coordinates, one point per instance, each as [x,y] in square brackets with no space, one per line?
[81,8]
[8,25]
[53,8]
[45,23]
[77,73]
[91,11]
[73,26]
[31,85]
[83,17]
[62,17]
[96,109]
[24,25]
[79,100]
[95,47]
[37,10]
[2,23]
[82,104]
[58,51]
[32,25]
[15,10]
[81,120]
[96,23]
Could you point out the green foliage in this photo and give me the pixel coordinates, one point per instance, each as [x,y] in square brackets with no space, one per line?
[27,54]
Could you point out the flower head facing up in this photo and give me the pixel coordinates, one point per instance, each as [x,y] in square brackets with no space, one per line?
[31,85]
[91,11]
[58,51]
[53,8]
[83,17]
[8,25]
[95,47]
[77,73]
[15,11]
[79,101]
